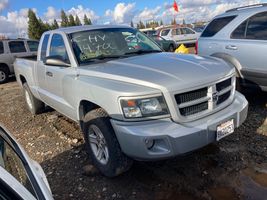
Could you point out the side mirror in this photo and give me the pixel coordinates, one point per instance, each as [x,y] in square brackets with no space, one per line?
[56,61]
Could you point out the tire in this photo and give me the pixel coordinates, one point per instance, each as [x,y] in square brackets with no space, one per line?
[171,48]
[34,105]
[4,74]
[112,161]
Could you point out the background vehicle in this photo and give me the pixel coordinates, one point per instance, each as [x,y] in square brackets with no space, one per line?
[20,177]
[239,36]
[12,49]
[149,31]
[167,45]
[131,103]
[181,35]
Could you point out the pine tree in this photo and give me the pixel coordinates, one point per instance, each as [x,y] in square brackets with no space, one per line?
[71,20]
[35,29]
[161,23]
[184,21]
[141,25]
[77,21]
[64,19]
[86,20]
[132,24]
[174,22]
[54,25]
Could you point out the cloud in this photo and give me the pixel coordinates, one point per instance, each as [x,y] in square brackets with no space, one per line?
[122,13]
[80,11]
[3,4]
[15,23]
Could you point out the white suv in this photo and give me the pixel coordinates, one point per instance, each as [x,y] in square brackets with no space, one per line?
[181,35]
[239,36]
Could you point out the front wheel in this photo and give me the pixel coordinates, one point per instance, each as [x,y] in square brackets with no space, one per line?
[102,144]
[171,48]
[34,105]
[4,75]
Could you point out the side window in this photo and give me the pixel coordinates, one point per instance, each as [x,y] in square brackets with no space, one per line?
[57,47]
[188,31]
[17,47]
[12,163]
[165,32]
[1,47]
[33,45]
[216,25]
[44,47]
[240,31]
[257,27]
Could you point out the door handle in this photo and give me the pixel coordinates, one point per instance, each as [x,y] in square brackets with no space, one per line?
[231,47]
[49,74]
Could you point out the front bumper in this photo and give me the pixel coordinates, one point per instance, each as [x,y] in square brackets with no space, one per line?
[172,139]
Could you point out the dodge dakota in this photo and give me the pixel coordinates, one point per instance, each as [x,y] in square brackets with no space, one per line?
[132,101]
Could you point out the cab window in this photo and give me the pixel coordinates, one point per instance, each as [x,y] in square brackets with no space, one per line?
[1,47]
[17,46]
[44,47]
[165,32]
[57,48]
[12,163]
[33,45]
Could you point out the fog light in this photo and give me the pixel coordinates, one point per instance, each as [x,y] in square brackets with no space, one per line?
[149,143]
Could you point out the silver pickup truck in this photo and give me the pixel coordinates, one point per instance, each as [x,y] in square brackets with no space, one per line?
[132,101]
[10,49]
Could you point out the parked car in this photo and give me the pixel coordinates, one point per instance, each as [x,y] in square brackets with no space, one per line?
[167,45]
[12,49]
[199,29]
[239,37]
[20,177]
[141,104]
[149,31]
[181,35]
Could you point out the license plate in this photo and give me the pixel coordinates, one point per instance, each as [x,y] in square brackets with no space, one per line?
[225,129]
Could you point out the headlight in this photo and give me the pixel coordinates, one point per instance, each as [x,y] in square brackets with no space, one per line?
[144,107]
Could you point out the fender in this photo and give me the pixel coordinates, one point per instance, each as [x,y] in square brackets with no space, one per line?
[230,60]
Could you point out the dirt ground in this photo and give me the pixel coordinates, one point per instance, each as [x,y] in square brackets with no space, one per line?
[234,168]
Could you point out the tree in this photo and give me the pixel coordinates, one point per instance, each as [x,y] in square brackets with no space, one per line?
[54,25]
[35,29]
[77,21]
[184,21]
[71,20]
[161,23]
[132,24]
[141,25]
[174,22]
[86,20]
[64,19]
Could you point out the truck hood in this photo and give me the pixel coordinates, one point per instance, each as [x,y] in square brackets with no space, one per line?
[165,71]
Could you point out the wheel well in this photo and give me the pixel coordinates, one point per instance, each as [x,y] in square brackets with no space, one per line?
[5,66]
[22,79]
[85,107]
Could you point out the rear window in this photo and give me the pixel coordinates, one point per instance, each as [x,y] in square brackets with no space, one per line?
[216,25]
[33,45]
[44,47]
[1,48]
[17,47]
[165,32]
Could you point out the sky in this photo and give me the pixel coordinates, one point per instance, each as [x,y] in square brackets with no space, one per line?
[13,13]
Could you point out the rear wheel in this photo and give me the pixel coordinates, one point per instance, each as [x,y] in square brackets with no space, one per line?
[171,48]
[4,74]
[34,105]
[102,144]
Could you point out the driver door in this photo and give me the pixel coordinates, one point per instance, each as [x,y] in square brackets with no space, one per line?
[55,76]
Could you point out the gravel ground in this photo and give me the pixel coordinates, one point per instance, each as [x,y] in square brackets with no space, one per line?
[234,168]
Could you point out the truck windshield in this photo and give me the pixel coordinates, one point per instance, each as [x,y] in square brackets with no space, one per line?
[111,43]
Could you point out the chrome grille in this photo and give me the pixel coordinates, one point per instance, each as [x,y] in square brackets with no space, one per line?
[190,96]
[204,100]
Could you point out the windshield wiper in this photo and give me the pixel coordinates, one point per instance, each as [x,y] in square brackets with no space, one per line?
[141,51]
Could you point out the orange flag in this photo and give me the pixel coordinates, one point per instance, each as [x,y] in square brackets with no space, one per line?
[175,6]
